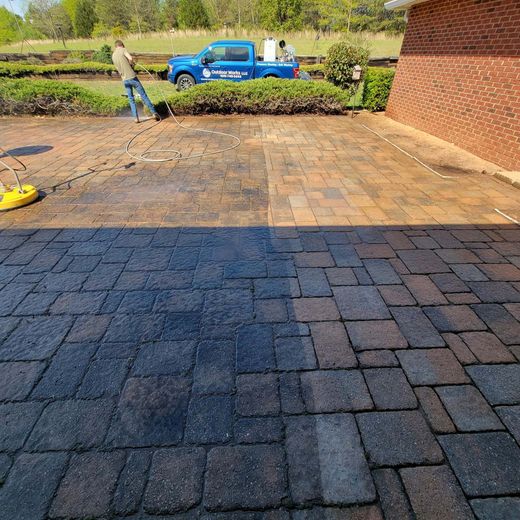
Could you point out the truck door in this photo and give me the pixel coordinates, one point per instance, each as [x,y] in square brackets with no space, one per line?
[229,62]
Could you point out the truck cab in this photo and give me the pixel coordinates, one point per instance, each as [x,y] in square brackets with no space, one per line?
[233,60]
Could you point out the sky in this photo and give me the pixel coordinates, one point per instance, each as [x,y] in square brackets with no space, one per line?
[18,5]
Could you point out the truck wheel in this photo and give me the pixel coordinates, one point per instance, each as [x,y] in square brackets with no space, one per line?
[185,81]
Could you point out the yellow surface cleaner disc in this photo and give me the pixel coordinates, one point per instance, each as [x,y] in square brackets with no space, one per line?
[14,198]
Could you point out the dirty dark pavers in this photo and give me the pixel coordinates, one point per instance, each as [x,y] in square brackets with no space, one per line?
[398,438]
[500,321]
[164,358]
[326,461]
[317,375]
[151,412]
[30,486]
[295,353]
[332,345]
[245,477]
[376,334]
[392,496]
[17,421]
[485,463]
[255,430]
[68,425]
[494,508]
[360,303]
[255,348]
[87,487]
[500,384]
[315,309]
[390,389]
[335,391]
[424,290]
[250,387]
[36,339]
[468,408]
[131,483]
[510,416]
[175,481]
[487,348]
[18,378]
[416,327]
[434,492]
[434,411]
[432,367]
[454,318]
[423,262]
[214,367]
[209,420]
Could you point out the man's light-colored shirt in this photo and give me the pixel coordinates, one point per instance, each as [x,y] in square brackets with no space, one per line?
[122,61]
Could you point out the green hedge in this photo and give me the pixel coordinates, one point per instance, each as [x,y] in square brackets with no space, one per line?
[18,70]
[22,96]
[261,96]
[377,85]
[317,67]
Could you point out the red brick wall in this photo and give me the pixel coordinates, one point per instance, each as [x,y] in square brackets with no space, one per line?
[458,76]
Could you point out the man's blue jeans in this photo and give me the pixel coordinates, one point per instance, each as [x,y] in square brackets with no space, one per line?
[130,84]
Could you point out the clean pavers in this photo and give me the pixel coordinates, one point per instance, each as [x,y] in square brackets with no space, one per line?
[310,327]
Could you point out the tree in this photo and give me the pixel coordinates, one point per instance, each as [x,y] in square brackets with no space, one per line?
[70,8]
[170,13]
[146,15]
[193,14]
[371,15]
[85,18]
[50,18]
[114,13]
[281,14]
[9,31]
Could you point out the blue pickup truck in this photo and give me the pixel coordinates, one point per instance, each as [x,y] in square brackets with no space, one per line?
[233,60]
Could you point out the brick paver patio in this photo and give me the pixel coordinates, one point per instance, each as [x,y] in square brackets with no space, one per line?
[310,327]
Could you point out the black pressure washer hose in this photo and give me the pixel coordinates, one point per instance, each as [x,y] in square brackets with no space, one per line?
[175,155]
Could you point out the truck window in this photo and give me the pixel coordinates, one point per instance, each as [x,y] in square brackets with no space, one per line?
[237,54]
[227,54]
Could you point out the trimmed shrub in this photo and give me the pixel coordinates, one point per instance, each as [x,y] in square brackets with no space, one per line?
[378,82]
[104,55]
[260,96]
[313,69]
[23,96]
[19,70]
[341,59]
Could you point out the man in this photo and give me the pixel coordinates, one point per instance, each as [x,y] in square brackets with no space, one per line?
[123,62]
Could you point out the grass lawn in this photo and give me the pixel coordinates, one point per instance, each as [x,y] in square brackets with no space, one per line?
[115,88]
[304,42]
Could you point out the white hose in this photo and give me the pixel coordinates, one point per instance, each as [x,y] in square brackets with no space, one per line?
[175,155]
[407,154]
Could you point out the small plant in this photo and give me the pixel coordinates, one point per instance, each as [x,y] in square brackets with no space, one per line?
[342,57]
[378,82]
[104,55]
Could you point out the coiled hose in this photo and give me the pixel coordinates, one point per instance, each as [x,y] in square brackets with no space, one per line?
[173,154]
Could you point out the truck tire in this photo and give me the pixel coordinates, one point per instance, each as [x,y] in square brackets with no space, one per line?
[185,81]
